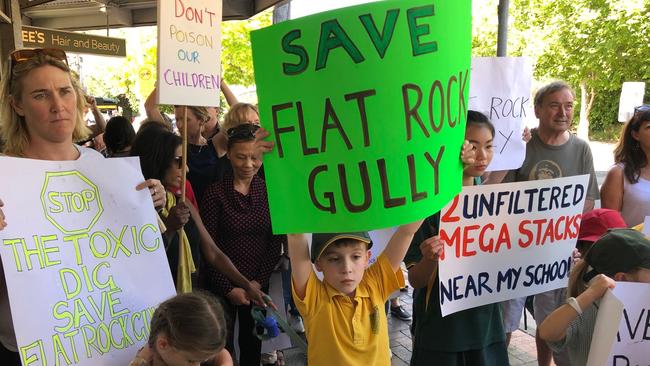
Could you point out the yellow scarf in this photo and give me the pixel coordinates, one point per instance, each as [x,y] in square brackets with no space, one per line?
[185,262]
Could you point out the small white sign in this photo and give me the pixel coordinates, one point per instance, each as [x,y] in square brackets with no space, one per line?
[500,88]
[631,97]
[189,52]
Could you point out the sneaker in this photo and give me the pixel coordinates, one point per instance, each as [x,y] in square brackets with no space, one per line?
[400,313]
[295,321]
[269,358]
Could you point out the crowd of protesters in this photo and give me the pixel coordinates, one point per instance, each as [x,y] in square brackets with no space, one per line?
[223,222]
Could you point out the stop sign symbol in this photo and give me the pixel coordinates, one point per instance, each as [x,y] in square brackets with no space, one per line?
[71,202]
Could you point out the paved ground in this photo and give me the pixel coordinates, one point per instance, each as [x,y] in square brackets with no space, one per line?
[522,351]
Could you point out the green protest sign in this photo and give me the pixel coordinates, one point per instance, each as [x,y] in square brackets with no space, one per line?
[367,108]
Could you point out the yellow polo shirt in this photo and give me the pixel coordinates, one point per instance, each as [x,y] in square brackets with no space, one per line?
[345,331]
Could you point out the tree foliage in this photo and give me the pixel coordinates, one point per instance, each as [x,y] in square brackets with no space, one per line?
[236,56]
[593,44]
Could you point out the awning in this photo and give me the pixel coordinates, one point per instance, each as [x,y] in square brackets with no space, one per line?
[92,14]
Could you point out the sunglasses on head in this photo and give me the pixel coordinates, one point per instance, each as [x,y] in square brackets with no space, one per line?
[23,55]
[642,108]
[243,131]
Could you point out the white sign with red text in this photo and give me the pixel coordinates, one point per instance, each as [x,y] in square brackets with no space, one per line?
[506,241]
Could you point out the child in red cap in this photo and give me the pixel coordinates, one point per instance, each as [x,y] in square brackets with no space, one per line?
[595,224]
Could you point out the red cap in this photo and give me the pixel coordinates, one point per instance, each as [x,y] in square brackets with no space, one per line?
[595,223]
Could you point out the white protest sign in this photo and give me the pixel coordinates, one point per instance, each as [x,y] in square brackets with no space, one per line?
[631,96]
[83,258]
[631,343]
[610,311]
[500,88]
[189,52]
[508,240]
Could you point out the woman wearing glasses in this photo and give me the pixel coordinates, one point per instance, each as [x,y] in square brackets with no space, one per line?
[236,213]
[206,157]
[41,116]
[627,185]
[161,158]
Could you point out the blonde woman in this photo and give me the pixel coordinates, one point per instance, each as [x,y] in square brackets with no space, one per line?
[41,106]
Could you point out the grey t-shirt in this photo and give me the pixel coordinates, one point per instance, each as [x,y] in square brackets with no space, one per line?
[545,161]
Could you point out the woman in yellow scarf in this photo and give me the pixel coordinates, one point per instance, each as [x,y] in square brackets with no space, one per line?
[160,155]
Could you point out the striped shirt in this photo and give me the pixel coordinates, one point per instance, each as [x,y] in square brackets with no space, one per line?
[578,336]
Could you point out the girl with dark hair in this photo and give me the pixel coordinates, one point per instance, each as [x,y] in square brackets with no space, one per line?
[471,337]
[188,329]
[236,214]
[118,137]
[627,185]
[161,157]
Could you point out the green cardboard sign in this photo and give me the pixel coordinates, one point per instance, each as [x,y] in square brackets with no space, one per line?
[367,108]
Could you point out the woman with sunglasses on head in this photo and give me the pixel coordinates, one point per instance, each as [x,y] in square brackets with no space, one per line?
[627,185]
[41,106]
[207,156]
[235,211]
[239,113]
[160,153]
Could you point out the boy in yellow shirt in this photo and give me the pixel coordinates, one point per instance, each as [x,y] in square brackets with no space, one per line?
[344,314]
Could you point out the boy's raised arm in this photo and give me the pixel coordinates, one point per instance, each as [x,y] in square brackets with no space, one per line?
[301,266]
[400,242]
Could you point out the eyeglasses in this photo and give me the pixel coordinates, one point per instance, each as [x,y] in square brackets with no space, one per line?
[22,55]
[642,108]
[178,161]
[243,131]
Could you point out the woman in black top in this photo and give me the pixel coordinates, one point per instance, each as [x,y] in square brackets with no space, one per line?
[160,156]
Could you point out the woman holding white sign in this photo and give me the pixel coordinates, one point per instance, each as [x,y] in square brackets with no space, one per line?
[470,337]
[41,116]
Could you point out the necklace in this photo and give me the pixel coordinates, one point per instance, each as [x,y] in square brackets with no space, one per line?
[202,142]
[193,149]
